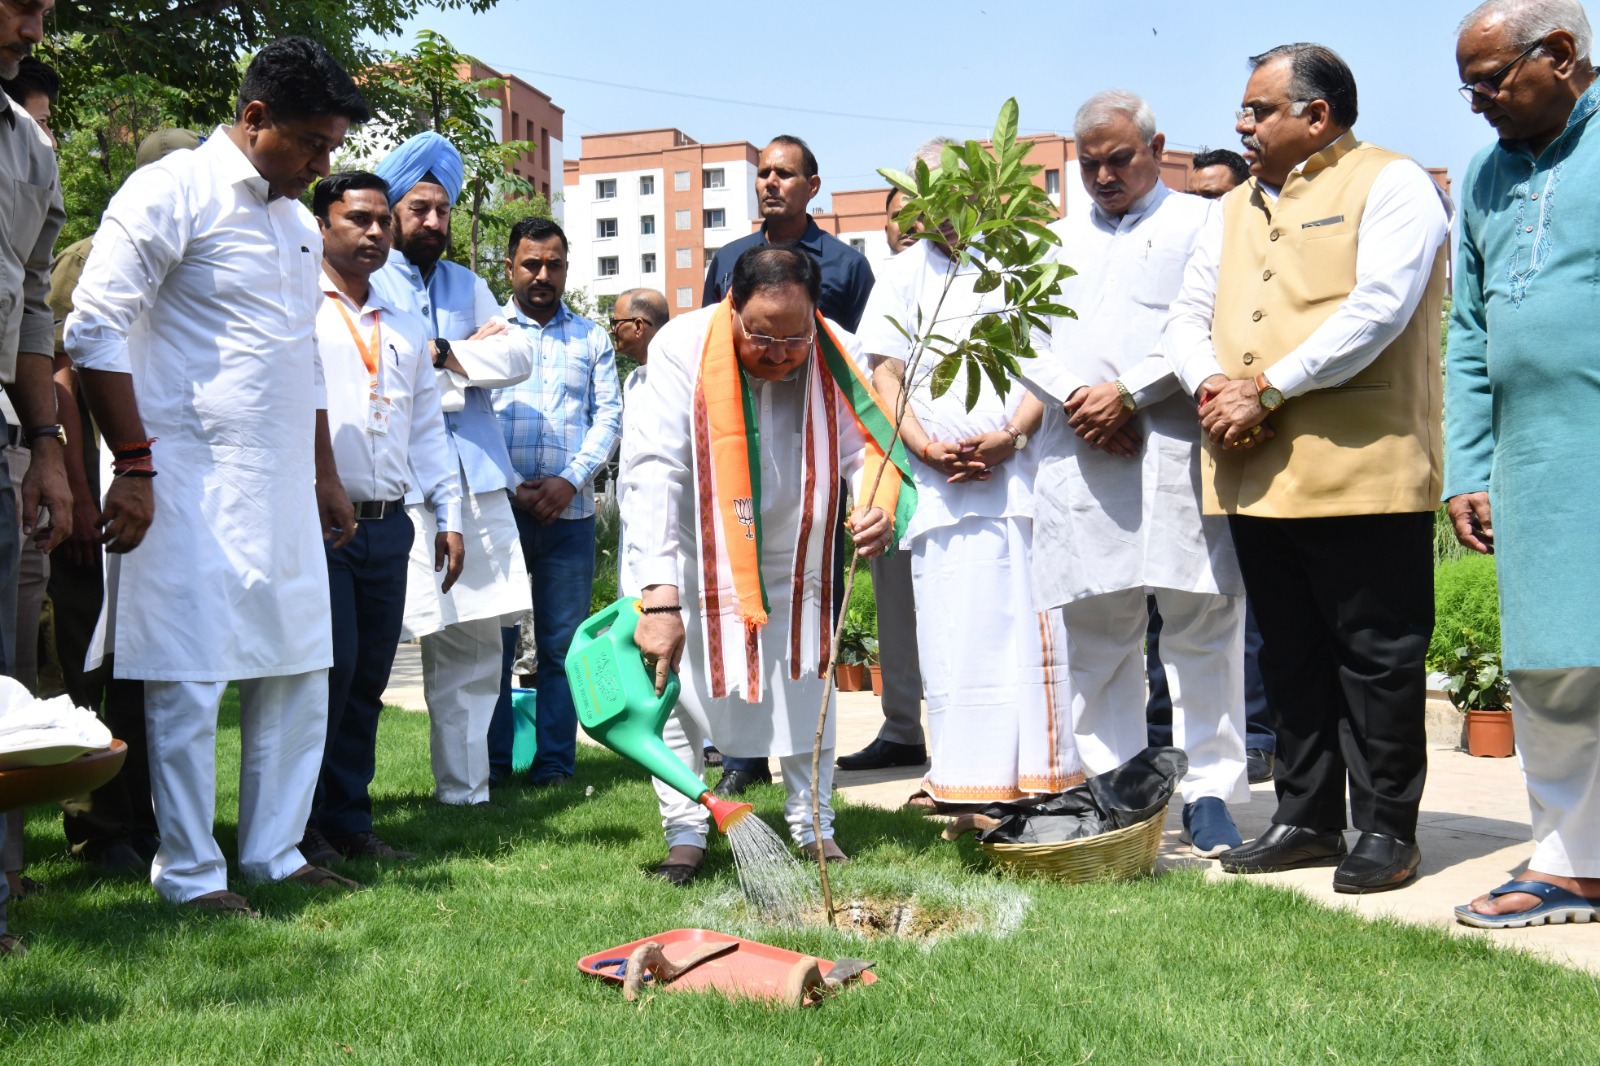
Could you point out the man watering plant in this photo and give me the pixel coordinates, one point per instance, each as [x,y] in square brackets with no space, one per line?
[753,411]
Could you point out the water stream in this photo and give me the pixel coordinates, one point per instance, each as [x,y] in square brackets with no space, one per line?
[776,887]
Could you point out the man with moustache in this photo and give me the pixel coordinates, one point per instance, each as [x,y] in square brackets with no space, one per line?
[1521,452]
[560,427]
[30,218]
[388,438]
[1307,329]
[464,673]
[194,334]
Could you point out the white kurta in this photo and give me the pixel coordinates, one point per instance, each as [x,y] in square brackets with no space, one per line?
[206,291]
[659,536]
[1104,523]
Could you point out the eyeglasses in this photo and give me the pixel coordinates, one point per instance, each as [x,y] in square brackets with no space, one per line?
[761,342]
[1249,116]
[615,322]
[1489,87]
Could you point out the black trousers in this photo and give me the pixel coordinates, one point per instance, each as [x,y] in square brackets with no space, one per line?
[1345,607]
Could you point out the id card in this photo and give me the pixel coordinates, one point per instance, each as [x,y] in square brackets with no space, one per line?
[378,410]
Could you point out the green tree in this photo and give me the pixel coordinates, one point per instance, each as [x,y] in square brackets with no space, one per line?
[98,151]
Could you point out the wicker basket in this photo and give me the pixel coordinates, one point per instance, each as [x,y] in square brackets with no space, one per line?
[1115,856]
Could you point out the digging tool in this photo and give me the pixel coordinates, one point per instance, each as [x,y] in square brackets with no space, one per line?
[648,960]
[966,823]
[806,984]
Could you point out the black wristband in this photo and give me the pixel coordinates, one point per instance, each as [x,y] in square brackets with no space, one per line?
[441,349]
[665,609]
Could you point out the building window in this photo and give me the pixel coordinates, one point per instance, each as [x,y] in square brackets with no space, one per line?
[680,219]
[609,268]
[1052,183]
[685,258]
[685,297]
[714,179]
[647,263]
[647,224]
[716,218]
[605,189]
[647,185]
[680,180]
[605,227]
[544,142]
[859,245]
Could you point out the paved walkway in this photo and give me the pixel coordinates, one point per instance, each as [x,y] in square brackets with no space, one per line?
[1474,831]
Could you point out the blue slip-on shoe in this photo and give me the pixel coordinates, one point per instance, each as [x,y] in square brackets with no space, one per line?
[1557,906]
[1208,828]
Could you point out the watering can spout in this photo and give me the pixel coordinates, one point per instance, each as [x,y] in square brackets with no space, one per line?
[615,696]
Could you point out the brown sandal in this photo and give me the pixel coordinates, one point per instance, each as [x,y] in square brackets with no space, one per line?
[13,945]
[223,902]
[921,801]
[317,877]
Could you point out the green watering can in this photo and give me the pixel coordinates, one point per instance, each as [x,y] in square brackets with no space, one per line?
[614,694]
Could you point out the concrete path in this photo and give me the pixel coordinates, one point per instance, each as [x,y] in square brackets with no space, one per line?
[1474,830]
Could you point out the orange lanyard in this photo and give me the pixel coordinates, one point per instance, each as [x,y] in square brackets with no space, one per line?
[370,352]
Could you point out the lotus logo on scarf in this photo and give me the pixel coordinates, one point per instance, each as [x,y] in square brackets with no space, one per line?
[744,508]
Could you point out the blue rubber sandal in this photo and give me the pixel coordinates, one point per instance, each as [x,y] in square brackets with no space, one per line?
[1557,906]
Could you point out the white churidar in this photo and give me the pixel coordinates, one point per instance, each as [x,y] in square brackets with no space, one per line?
[461,675]
[282,725]
[1556,714]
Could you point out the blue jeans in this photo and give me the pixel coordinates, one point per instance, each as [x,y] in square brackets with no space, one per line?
[367,594]
[1258,718]
[560,560]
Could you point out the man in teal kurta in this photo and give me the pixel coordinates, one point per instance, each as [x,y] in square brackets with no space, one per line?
[1522,406]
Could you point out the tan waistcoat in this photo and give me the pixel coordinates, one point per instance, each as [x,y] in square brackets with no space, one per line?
[1369,446]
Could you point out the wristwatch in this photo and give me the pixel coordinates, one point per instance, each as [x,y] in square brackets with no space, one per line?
[40,432]
[1267,393]
[1127,397]
[441,352]
[1019,439]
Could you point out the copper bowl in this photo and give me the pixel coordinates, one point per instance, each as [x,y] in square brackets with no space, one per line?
[32,785]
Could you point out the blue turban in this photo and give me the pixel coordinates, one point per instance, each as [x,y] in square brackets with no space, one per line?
[426,154]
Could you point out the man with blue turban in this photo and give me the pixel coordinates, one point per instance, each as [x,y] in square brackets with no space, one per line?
[473,352]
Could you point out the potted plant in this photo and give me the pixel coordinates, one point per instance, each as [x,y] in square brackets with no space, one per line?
[1480,689]
[850,672]
[874,668]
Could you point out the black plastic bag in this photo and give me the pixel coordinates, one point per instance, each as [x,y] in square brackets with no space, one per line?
[1128,795]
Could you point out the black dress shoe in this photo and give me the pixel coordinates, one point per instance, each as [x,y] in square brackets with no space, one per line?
[734,782]
[1376,864]
[882,754]
[1284,847]
[1259,764]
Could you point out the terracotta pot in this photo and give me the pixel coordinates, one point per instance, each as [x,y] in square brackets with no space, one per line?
[876,673]
[1489,734]
[849,678]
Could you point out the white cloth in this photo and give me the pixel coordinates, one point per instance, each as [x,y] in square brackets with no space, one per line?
[1556,715]
[1406,219]
[995,673]
[908,289]
[1202,651]
[684,820]
[628,549]
[1102,522]
[494,576]
[206,291]
[414,450]
[283,722]
[461,683]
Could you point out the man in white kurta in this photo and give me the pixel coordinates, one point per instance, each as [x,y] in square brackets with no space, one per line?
[994,671]
[463,673]
[1111,527]
[195,325]
[662,546]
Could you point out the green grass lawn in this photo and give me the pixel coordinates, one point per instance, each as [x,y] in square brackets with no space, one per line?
[467,955]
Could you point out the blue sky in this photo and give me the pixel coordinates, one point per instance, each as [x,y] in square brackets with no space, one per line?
[910,71]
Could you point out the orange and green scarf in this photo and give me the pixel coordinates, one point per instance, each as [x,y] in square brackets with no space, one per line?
[727,466]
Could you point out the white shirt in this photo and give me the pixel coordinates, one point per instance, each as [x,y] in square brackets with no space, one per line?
[1406,219]
[1104,523]
[908,289]
[632,386]
[204,288]
[414,451]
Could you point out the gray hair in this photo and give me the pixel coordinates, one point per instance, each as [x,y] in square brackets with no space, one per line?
[647,304]
[930,151]
[1102,109]
[1528,21]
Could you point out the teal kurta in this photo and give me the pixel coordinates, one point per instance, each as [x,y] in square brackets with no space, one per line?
[1522,385]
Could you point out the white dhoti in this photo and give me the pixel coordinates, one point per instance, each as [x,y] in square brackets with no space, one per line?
[994,671]
[460,631]
[1202,650]
[1556,714]
[282,726]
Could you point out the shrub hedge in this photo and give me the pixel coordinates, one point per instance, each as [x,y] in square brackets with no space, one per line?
[1465,596]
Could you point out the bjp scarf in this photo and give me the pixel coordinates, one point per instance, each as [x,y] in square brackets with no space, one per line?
[727,470]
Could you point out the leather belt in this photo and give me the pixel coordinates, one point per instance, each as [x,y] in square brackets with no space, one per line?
[372,510]
[14,436]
